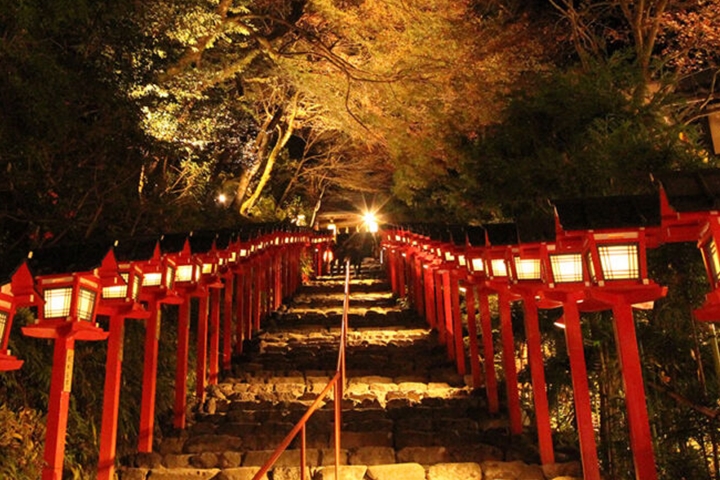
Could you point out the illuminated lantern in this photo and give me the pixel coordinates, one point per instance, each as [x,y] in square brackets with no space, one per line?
[157,288]
[441,248]
[204,250]
[453,261]
[416,259]
[223,249]
[187,282]
[527,271]
[708,245]
[601,264]
[70,281]
[7,312]
[188,268]
[8,302]
[475,252]
[477,286]
[500,239]
[118,302]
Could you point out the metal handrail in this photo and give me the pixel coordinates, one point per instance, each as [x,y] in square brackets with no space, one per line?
[337,384]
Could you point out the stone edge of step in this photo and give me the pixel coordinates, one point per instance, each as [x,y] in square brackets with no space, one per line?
[487,470]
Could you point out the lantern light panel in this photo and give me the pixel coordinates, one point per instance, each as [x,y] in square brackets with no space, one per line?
[169,276]
[619,262]
[4,316]
[712,259]
[57,302]
[499,268]
[152,279]
[184,273]
[86,304]
[527,268]
[567,267]
[116,291]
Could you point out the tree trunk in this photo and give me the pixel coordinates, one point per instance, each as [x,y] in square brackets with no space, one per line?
[261,144]
[272,158]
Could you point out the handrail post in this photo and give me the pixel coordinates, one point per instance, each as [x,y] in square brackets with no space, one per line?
[338,407]
[337,385]
[303,450]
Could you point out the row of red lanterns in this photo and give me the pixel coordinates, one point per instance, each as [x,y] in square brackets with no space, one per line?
[588,262]
[255,269]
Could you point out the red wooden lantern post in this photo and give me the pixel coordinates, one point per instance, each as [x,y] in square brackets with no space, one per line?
[567,285]
[388,257]
[224,249]
[279,260]
[602,247]
[437,272]
[203,246]
[526,269]
[429,266]
[395,246]
[456,274]
[258,282]
[417,258]
[240,268]
[295,251]
[188,268]
[322,251]
[414,259]
[9,362]
[453,263]
[400,259]
[475,260]
[66,315]
[157,289]
[443,307]
[499,238]
[620,275]
[266,266]
[708,242]
[118,302]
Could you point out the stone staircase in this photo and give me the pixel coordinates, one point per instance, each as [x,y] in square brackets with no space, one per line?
[406,414]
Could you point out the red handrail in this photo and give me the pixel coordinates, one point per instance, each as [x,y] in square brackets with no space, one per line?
[337,384]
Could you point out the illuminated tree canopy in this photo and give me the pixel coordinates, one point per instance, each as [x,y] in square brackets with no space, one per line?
[280,105]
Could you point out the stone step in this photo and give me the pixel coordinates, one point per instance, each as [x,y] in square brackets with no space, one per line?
[379,298]
[336,284]
[406,414]
[361,464]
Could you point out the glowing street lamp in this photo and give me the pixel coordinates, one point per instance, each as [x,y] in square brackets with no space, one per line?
[371,223]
